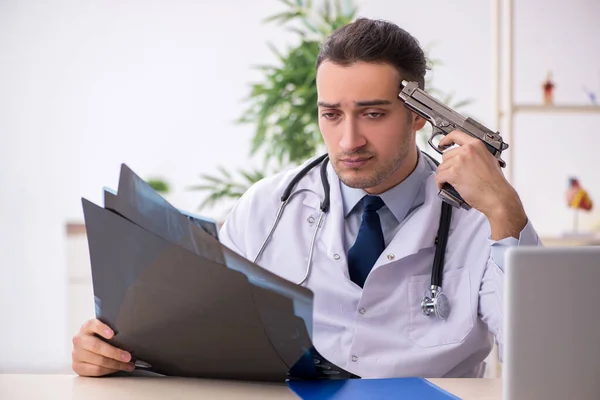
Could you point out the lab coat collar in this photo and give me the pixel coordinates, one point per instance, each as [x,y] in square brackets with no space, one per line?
[312,183]
[419,229]
[332,233]
[417,232]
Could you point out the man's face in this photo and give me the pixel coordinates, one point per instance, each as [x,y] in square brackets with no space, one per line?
[369,133]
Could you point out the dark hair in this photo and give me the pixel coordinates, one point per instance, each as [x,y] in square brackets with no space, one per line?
[376,41]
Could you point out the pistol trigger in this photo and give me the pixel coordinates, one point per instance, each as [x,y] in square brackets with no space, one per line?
[435,138]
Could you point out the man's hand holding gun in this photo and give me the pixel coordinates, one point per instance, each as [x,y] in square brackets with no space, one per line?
[470,174]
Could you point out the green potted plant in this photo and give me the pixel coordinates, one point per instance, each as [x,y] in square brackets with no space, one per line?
[283,106]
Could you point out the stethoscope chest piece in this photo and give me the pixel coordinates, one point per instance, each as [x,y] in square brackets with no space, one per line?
[436,302]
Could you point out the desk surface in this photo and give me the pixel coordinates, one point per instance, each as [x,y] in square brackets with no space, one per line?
[71,387]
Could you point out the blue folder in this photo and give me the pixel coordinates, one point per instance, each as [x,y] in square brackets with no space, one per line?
[355,389]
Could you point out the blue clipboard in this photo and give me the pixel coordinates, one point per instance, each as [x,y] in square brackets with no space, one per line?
[355,389]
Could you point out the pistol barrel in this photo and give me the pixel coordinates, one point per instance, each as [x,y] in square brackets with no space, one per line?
[446,119]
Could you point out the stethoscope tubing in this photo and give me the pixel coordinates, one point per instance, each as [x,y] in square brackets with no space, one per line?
[440,241]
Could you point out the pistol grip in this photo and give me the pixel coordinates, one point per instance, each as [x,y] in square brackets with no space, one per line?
[451,196]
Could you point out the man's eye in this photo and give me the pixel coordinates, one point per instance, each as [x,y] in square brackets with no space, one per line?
[374,115]
[329,115]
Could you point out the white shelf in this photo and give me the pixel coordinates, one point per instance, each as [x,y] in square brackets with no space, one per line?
[557,108]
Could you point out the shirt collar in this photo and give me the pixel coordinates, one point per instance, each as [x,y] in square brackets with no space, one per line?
[401,198]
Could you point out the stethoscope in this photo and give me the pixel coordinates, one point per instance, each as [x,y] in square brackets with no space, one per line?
[435,302]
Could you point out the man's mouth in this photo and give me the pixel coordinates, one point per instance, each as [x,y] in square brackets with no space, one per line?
[355,162]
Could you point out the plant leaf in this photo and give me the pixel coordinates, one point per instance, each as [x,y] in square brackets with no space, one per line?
[282,106]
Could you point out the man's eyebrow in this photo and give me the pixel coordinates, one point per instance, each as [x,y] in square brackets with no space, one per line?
[328,105]
[368,103]
[360,103]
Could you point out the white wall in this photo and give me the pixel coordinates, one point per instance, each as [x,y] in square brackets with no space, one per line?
[32,185]
[86,85]
[560,36]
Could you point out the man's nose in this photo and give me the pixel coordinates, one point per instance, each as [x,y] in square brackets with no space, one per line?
[351,138]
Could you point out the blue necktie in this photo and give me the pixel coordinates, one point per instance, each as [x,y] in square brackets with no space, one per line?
[369,243]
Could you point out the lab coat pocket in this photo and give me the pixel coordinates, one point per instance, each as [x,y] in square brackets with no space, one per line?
[429,331]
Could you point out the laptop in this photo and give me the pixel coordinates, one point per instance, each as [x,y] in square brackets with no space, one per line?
[552,329]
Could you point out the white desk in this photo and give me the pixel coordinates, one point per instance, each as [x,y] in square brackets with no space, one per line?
[71,387]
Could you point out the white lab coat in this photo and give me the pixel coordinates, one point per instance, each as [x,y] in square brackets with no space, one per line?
[379,331]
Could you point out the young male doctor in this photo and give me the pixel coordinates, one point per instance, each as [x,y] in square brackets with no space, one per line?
[373,255]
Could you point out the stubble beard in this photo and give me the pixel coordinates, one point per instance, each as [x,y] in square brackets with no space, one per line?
[375,174]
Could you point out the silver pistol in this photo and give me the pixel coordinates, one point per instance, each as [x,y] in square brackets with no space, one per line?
[443,121]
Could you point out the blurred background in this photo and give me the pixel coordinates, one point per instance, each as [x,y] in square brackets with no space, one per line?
[165,87]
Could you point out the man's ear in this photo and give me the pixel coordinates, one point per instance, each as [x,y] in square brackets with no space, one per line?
[418,122]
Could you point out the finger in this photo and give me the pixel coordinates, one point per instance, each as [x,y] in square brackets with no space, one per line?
[450,162]
[448,171]
[455,137]
[95,345]
[98,327]
[443,176]
[85,369]
[86,356]
[445,166]
[451,153]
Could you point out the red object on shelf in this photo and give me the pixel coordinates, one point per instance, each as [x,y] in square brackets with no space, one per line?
[577,196]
